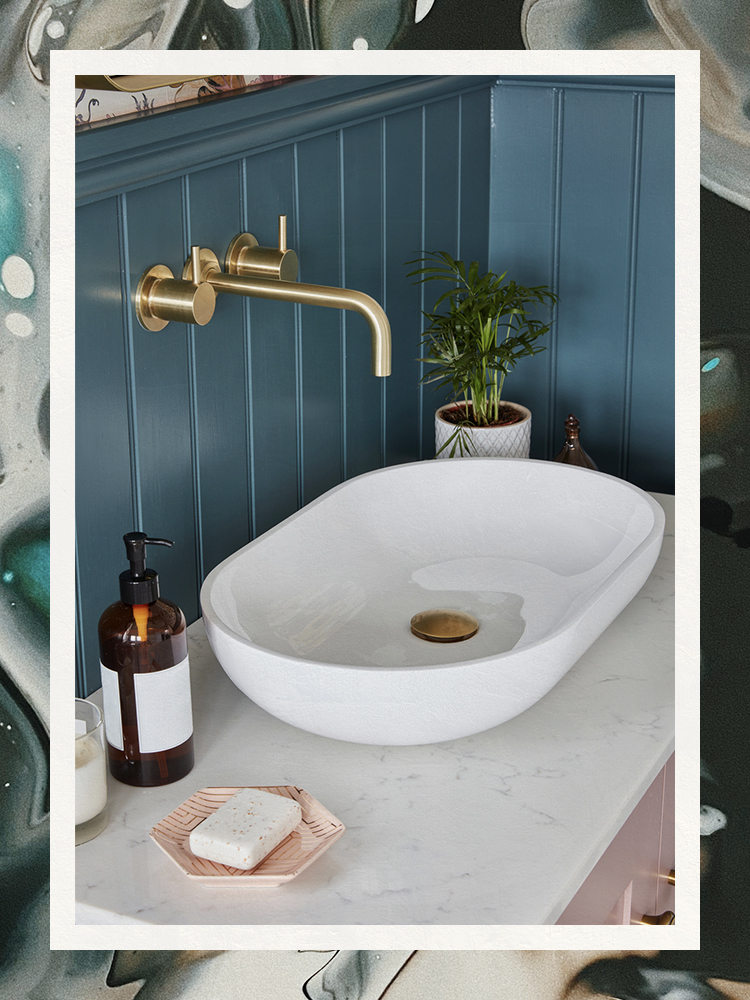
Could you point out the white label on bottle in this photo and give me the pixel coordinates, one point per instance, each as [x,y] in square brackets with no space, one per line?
[163,707]
[111,699]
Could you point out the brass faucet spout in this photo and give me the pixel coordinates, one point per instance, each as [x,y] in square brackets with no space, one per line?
[319,295]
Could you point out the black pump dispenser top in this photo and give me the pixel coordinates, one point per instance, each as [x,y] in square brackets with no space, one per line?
[139,585]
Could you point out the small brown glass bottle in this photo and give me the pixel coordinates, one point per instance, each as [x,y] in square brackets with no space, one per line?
[572,453]
[145,677]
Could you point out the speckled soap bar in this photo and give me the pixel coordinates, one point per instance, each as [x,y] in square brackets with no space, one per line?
[246,828]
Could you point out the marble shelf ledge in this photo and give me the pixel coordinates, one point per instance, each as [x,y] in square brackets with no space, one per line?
[499,828]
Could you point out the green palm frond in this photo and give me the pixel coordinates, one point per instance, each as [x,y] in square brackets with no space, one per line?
[483,329]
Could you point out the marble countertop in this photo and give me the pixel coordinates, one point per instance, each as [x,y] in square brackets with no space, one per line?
[499,828]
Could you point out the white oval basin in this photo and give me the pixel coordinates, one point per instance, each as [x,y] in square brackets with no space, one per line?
[311,620]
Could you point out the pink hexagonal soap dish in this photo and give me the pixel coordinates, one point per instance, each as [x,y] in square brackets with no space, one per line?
[314,835]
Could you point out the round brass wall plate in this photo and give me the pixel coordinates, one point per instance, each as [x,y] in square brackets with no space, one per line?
[142,304]
[444,625]
[209,262]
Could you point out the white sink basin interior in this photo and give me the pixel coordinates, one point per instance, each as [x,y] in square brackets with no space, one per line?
[312,619]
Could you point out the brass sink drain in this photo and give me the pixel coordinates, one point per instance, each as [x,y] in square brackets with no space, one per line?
[441,625]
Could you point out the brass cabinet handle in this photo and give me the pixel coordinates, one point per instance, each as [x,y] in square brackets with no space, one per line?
[658,918]
[670,877]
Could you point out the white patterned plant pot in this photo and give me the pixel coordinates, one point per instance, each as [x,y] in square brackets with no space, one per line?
[510,441]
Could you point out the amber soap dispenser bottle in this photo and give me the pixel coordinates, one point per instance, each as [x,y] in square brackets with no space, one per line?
[145,677]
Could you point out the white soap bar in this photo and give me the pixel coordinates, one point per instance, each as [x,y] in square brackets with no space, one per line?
[246,828]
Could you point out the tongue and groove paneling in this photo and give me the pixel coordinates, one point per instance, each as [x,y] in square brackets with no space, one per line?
[211,435]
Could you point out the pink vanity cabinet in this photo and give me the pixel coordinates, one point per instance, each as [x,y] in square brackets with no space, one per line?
[632,876]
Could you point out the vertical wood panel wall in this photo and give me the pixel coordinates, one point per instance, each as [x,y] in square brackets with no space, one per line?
[582,199]
[211,435]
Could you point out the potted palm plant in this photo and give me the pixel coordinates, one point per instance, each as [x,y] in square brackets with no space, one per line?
[471,346]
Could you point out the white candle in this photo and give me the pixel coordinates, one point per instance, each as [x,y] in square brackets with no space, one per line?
[91,779]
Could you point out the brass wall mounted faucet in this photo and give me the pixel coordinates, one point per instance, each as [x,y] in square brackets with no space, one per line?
[252,270]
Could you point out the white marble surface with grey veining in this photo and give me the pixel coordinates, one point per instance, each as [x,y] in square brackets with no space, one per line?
[498,828]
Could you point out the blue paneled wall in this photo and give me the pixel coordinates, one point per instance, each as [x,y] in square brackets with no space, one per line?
[211,435]
[583,199]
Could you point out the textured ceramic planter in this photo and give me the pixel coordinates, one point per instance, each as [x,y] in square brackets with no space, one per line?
[511,441]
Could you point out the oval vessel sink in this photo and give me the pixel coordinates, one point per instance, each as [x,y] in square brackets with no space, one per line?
[312,619]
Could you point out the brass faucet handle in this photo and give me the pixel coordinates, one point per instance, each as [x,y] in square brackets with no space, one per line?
[199,265]
[658,918]
[249,260]
[160,297]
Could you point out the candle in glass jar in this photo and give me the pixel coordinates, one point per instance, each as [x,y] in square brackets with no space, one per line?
[91,778]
